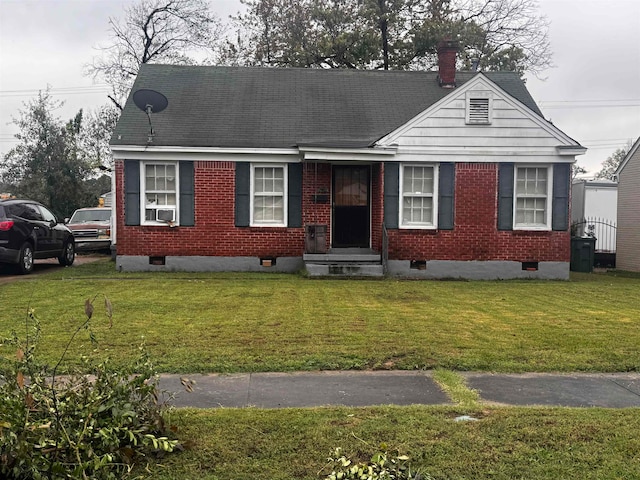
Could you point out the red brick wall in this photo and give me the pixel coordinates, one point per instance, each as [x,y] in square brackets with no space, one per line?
[214,233]
[316,180]
[377,205]
[475,236]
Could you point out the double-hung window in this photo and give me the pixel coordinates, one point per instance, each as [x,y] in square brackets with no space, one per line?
[532,205]
[418,205]
[160,192]
[268,195]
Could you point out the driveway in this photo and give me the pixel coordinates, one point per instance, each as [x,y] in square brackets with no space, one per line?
[7,274]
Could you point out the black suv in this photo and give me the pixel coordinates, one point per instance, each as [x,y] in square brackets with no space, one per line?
[28,231]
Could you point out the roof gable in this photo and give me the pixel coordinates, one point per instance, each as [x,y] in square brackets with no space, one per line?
[249,107]
[457,100]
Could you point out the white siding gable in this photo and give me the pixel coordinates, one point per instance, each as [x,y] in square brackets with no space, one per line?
[448,131]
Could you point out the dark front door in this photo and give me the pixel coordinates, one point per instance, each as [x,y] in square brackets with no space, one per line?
[351,218]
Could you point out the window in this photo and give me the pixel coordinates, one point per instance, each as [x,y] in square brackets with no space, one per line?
[47,215]
[479,108]
[27,211]
[532,198]
[160,192]
[418,205]
[268,194]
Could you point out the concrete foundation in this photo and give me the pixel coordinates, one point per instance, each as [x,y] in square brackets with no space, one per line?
[131,263]
[431,269]
[478,270]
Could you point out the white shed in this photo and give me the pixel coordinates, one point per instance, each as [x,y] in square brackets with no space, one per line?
[594,207]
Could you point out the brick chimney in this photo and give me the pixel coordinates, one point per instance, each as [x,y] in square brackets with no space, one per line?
[447,50]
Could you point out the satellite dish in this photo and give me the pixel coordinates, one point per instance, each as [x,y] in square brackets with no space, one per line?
[150,101]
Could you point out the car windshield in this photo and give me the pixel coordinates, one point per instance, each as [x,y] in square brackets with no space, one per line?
[88,216]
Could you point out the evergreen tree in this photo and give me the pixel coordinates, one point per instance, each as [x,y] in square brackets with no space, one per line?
[47,164]
[390,34]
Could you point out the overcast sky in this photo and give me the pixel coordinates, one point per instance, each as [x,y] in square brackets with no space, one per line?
[593,93]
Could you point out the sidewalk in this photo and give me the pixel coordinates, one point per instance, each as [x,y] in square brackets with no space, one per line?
[365,388]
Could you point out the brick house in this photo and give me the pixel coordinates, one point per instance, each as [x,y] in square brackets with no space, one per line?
[418,174]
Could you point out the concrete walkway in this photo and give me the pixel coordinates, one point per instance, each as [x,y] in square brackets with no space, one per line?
[366,388]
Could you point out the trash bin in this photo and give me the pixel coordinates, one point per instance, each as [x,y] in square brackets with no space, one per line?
[582,254]
[315,240]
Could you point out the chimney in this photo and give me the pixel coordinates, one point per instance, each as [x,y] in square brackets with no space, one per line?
[447,50]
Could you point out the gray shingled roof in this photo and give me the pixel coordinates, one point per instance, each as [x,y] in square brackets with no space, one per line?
[285,107]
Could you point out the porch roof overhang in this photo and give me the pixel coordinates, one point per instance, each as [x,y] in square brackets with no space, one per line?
[294,154]
[378,154]
[572,150]
[148,152]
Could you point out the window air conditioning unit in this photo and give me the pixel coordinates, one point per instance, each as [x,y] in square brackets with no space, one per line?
[166,215]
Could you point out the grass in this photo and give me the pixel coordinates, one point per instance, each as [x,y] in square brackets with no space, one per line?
[455,386]
[270,322]
[505,443]
[276,322]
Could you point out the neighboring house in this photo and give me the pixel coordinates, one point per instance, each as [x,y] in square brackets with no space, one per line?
[594,206]
[628,243]
[422,174]
[106,199]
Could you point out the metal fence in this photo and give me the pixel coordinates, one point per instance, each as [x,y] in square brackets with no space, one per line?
[602,229]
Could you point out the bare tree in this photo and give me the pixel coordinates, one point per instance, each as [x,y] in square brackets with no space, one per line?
[155,31]
[510,34]
[97,127]
[577,170]
[610,165]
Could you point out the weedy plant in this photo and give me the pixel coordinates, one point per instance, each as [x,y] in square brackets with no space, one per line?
[94,422]
[382,466]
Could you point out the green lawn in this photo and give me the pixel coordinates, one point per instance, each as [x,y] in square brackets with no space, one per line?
[505,443]
[270,322]
[273,322]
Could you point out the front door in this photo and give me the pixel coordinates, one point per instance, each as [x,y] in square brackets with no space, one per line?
[351,217]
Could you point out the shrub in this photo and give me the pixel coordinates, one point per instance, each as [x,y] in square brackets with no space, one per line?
[382,466]
[95,422]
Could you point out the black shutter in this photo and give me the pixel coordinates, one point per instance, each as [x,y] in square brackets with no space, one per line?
[294,206]
[561,187]
[391,194]
[132,192]
[446,187]
[505,196]
[243,193]
[187,215]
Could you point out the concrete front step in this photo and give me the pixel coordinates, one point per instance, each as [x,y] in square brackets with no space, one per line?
[344,269]
[344,262]
[344,255]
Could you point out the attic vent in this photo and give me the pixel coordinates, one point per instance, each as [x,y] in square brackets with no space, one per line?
[478,110]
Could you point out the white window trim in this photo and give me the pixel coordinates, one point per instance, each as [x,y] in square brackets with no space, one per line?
[419,226]
[549,204]
[285,194]
[143,194]
[484,95]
